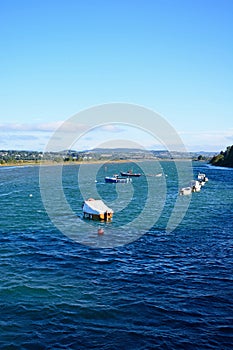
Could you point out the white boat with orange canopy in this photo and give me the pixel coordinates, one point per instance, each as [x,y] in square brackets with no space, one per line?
[95,209]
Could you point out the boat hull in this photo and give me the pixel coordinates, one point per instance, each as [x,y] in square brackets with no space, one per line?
[130,174]
[98,217]
[117,180]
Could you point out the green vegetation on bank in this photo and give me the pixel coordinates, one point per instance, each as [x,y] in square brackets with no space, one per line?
[224,159]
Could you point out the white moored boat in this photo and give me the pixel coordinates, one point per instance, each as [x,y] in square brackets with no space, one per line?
[195,185]
[96,210]
[202,178]
[185,191]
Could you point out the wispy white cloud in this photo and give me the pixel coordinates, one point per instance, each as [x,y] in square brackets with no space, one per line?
[59,126]
[36,135]
[112,128]
[20,127]
[21,137]
[23,140]
[212,140]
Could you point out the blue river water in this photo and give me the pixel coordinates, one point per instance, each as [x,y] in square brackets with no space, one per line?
[162,290]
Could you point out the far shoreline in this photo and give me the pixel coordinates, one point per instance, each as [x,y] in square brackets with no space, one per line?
[90,162]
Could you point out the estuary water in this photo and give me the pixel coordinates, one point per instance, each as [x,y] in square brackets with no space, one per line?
[157,289]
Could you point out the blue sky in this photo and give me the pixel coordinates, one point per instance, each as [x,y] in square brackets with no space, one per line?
[172,56]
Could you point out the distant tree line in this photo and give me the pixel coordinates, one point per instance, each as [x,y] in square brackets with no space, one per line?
[71,156]
[17,157]
[224,159]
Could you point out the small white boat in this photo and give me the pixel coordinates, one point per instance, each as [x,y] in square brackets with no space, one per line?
[202,177]
[202,183]
[195,185]
[185,191]
[96,210]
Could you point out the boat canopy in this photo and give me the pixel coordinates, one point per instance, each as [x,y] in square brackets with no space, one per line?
[96,207]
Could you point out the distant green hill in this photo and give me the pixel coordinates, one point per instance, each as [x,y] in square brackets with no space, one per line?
[224,159]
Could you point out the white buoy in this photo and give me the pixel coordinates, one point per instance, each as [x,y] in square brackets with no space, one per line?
[30,195]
